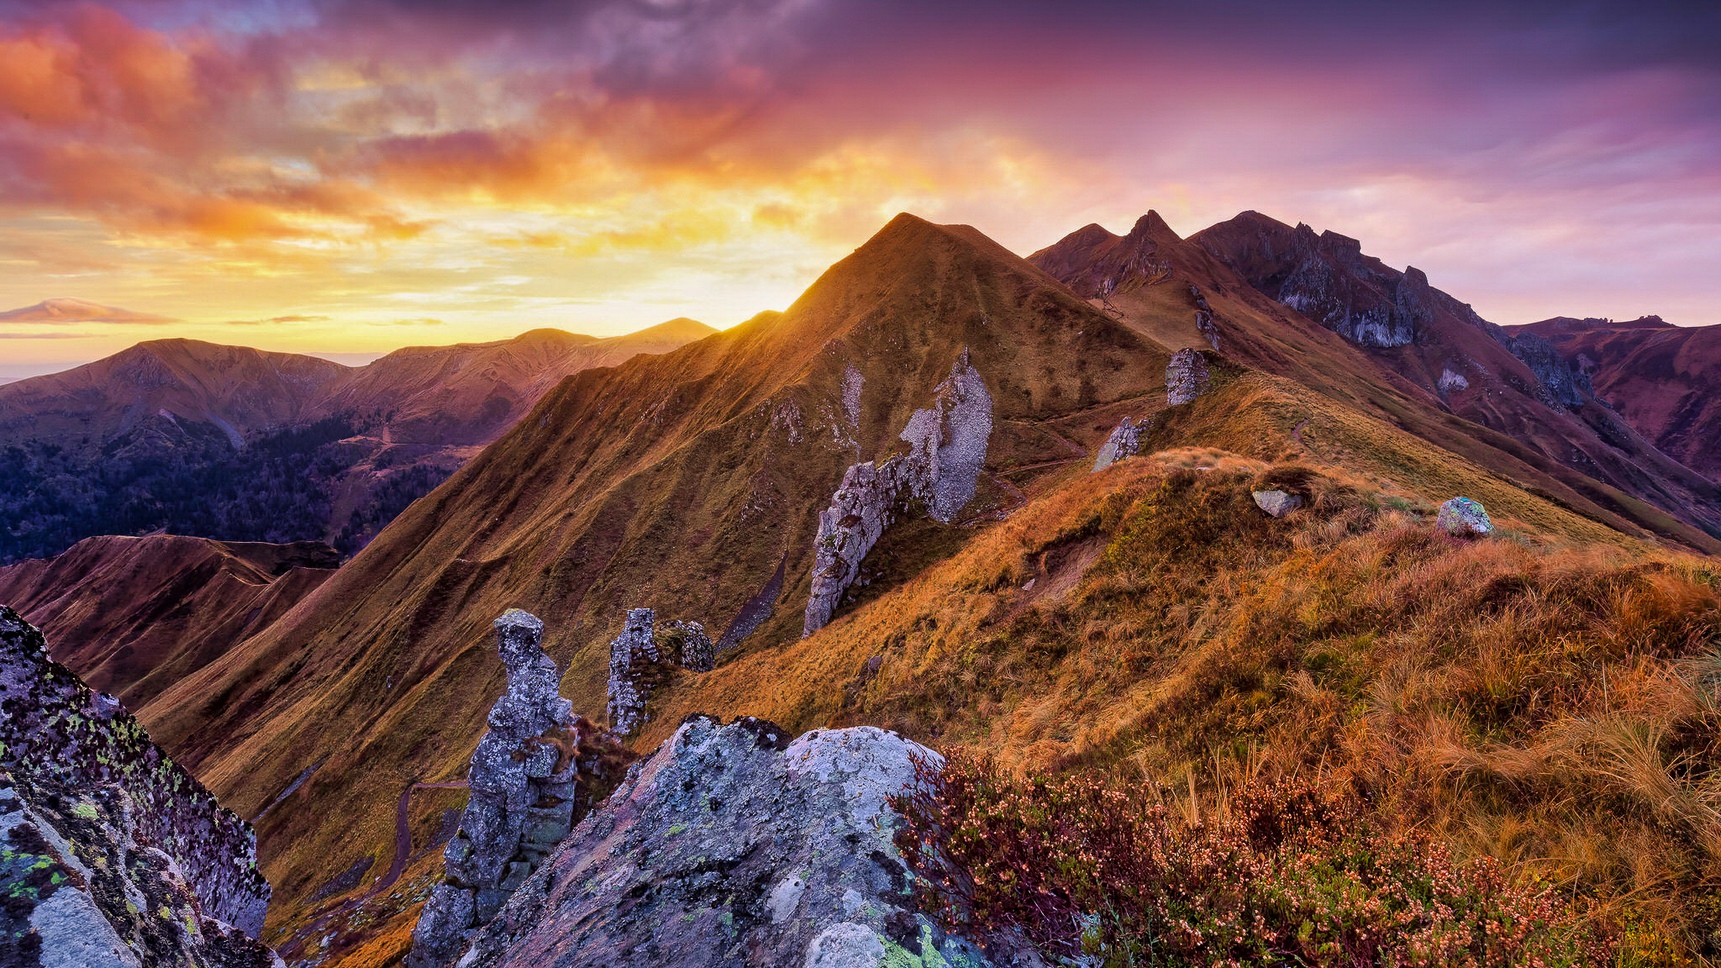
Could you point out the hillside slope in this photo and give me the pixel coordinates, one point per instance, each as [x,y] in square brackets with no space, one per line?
[1665,380]
[1315,309]
[134,615]
[689,482]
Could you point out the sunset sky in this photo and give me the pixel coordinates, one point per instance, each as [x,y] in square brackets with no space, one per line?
[339,176]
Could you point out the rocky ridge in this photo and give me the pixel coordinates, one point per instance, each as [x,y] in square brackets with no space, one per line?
[1186,376]
[113,854]
[1125,441]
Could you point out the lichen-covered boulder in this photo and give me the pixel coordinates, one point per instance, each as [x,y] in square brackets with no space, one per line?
[733,845]
[1276,503]
[1463,517]
[110,854]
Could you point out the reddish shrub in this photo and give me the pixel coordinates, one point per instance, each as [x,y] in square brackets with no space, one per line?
[1288,873]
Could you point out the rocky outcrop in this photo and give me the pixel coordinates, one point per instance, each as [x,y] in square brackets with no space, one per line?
[1186,376]
[641,652]
[1204,322]
[1563,385]
[1463,517]
[1276,502]
[112,854]
[939,475]
[1125,441]
[731,846]
[629,652]
[524,777]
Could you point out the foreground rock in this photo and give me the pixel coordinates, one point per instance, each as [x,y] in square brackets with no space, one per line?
[525,777]
[110,854]
[733,846]
[1463,517]
[1186,376]
[1276,503]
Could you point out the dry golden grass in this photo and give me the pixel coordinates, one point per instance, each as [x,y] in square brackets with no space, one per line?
[1537,697]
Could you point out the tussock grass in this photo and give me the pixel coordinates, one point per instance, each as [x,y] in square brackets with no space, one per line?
[1536,699]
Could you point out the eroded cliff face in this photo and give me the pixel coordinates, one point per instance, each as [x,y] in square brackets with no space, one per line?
[110,853]
[734,845]
[938,476]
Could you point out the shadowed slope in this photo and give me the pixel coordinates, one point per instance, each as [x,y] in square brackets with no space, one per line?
[1665,380]
[134,615]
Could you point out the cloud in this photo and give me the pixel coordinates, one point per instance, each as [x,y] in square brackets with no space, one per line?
[273,320]
[6,335]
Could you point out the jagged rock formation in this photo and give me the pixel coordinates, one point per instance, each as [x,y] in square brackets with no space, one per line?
[731,846]
[635,646]
[1451,380]
[523,778]
[947,450]
[1276,503]
[1186,376]
[1125,441]
[1562,385]
[113,855]
[1204,323]
[687,645]
[1463,517]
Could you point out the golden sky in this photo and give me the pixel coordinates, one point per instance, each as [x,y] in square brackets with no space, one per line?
[337,176]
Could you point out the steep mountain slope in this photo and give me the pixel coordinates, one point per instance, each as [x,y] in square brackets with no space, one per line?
[692,481]
[134,615]
[1313,308]
[237,443]
[1665,380]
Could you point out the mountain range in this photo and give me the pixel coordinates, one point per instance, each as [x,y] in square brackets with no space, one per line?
[235,443]
[900,503]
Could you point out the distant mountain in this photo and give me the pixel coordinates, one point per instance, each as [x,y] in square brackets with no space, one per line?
[1344,322]
[242,444]
[77,311]
[1665,380]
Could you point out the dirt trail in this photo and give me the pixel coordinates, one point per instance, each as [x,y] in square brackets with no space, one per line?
[403,834]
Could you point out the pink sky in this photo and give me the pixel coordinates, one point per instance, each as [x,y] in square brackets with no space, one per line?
[335,176]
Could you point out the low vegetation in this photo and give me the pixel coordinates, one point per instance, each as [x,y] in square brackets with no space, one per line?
[1285,872]
[1540,706]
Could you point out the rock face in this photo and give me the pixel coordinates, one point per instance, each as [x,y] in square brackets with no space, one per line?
[1125,441]
[112,854]
[947,450]
[1276,503]
[733,846]
[524,777]
[1186,376]
[689,645]
[1562,384]
[1463,517]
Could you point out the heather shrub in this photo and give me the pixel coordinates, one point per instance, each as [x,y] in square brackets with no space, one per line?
[1290,871]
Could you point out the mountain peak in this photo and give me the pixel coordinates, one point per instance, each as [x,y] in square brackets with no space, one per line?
[1152,227]
[67,310]
[682,329]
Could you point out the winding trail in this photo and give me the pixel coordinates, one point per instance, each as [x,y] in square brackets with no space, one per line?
[403,834]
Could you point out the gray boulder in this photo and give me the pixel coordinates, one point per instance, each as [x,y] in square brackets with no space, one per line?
[629,651]
[523,777]
[1186,376]
[732,846]
[110,853]
[1276,503]
[1125,441]
[1463,517]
